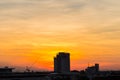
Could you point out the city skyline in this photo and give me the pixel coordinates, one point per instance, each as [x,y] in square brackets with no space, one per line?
[33,31]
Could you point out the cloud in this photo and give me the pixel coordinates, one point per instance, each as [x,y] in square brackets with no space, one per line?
[27,9]
[91,26]
[34,16]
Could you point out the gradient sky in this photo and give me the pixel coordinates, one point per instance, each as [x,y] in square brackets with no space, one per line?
[33,31]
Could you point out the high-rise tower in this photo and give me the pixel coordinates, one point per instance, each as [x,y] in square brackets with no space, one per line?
[62,62]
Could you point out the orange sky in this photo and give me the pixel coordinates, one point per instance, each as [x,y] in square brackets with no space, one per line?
[32,32]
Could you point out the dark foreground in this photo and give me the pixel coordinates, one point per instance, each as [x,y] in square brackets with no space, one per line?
[53,76]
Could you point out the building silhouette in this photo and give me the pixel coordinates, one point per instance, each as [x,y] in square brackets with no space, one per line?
[6,70]
[62,62]
[93,69]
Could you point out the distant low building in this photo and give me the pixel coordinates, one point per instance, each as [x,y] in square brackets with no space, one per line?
[92,70]
[6,70]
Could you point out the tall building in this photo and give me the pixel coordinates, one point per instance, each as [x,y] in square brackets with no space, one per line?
[62,62]
[97,67]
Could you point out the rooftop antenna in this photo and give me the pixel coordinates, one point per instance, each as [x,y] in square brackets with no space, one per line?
[88,64]
[27,69]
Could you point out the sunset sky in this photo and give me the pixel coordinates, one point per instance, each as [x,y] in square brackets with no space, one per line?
[32,32]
